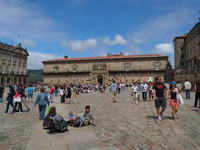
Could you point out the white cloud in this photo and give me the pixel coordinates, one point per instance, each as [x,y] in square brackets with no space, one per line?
[35,59]
[164,48]
[21,17]
[118,40]
[80,45]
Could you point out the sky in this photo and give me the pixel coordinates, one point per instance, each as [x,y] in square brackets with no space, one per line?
[82,28]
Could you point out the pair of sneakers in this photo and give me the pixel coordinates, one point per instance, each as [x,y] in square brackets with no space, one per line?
[160,117]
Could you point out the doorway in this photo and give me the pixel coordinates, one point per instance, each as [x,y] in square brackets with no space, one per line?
[100,79]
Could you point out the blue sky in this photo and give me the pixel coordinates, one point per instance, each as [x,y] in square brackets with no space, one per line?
[79,28]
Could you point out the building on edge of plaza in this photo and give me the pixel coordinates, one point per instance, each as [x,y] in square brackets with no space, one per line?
[187,55]
[103,69]
[13,64]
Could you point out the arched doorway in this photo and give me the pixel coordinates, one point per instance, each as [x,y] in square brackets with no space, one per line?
[100,79]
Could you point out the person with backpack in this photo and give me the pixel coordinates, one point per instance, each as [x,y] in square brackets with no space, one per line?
[57,124]
[42,100]
[11,94]
[52,113]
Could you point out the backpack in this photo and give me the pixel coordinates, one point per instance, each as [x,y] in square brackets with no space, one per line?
[59,123]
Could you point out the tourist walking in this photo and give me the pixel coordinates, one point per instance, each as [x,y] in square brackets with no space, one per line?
[19,96]
[144,91]
[151,91]
[160,94]
[62,94]
[113,89]
[1,93]
[173,99]
[30,93]
[188,86]
[42,100]
[68,95]
[197,94]
[51,93]
[135,93]
[11,94]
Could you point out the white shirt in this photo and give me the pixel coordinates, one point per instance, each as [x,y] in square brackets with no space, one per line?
[187,85]
[145,87]
[135,88]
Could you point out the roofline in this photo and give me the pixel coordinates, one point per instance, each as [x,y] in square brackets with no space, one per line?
[183,37]
[104,58]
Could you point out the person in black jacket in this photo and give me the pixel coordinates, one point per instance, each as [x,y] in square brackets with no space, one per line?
[11,94]
[197,94]
[1,93]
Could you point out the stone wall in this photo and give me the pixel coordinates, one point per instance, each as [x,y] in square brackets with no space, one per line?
[89,71]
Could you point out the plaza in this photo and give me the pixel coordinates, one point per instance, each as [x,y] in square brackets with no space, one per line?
[119,126]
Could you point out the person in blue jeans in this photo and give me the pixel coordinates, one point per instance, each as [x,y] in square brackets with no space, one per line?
[42,100]
[30,93]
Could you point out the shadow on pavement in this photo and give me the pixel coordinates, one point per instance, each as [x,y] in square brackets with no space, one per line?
[155,117]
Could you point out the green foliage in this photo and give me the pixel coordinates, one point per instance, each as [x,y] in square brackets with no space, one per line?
[35,76]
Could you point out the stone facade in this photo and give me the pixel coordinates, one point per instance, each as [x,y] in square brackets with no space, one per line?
[103,69]
[187,55]
[13,64]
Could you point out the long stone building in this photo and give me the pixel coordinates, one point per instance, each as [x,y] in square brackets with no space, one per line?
[187,55]
[13,64]
[103,69]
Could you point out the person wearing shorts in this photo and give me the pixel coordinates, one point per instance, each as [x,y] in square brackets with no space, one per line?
[135,93]
[113,89]
[160,93]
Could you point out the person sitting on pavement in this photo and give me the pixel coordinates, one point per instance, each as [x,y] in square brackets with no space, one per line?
[72,118]
[57,124]
[52,113]
[86,119]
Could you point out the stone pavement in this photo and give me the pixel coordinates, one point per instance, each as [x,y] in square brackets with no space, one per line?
[120,126]
[75,139]
[123,126]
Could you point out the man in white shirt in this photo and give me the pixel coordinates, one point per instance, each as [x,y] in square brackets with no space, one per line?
[145,88]
[188,86]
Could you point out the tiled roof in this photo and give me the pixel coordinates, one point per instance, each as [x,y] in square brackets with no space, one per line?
[104,57]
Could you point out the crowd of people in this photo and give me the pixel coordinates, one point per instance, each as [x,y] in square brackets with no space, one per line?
[18,96]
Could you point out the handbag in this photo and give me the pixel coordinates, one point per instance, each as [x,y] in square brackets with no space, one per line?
[17,99]
[179,97]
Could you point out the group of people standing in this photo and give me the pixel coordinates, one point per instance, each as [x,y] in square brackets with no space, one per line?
[162,94]
[16,96]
